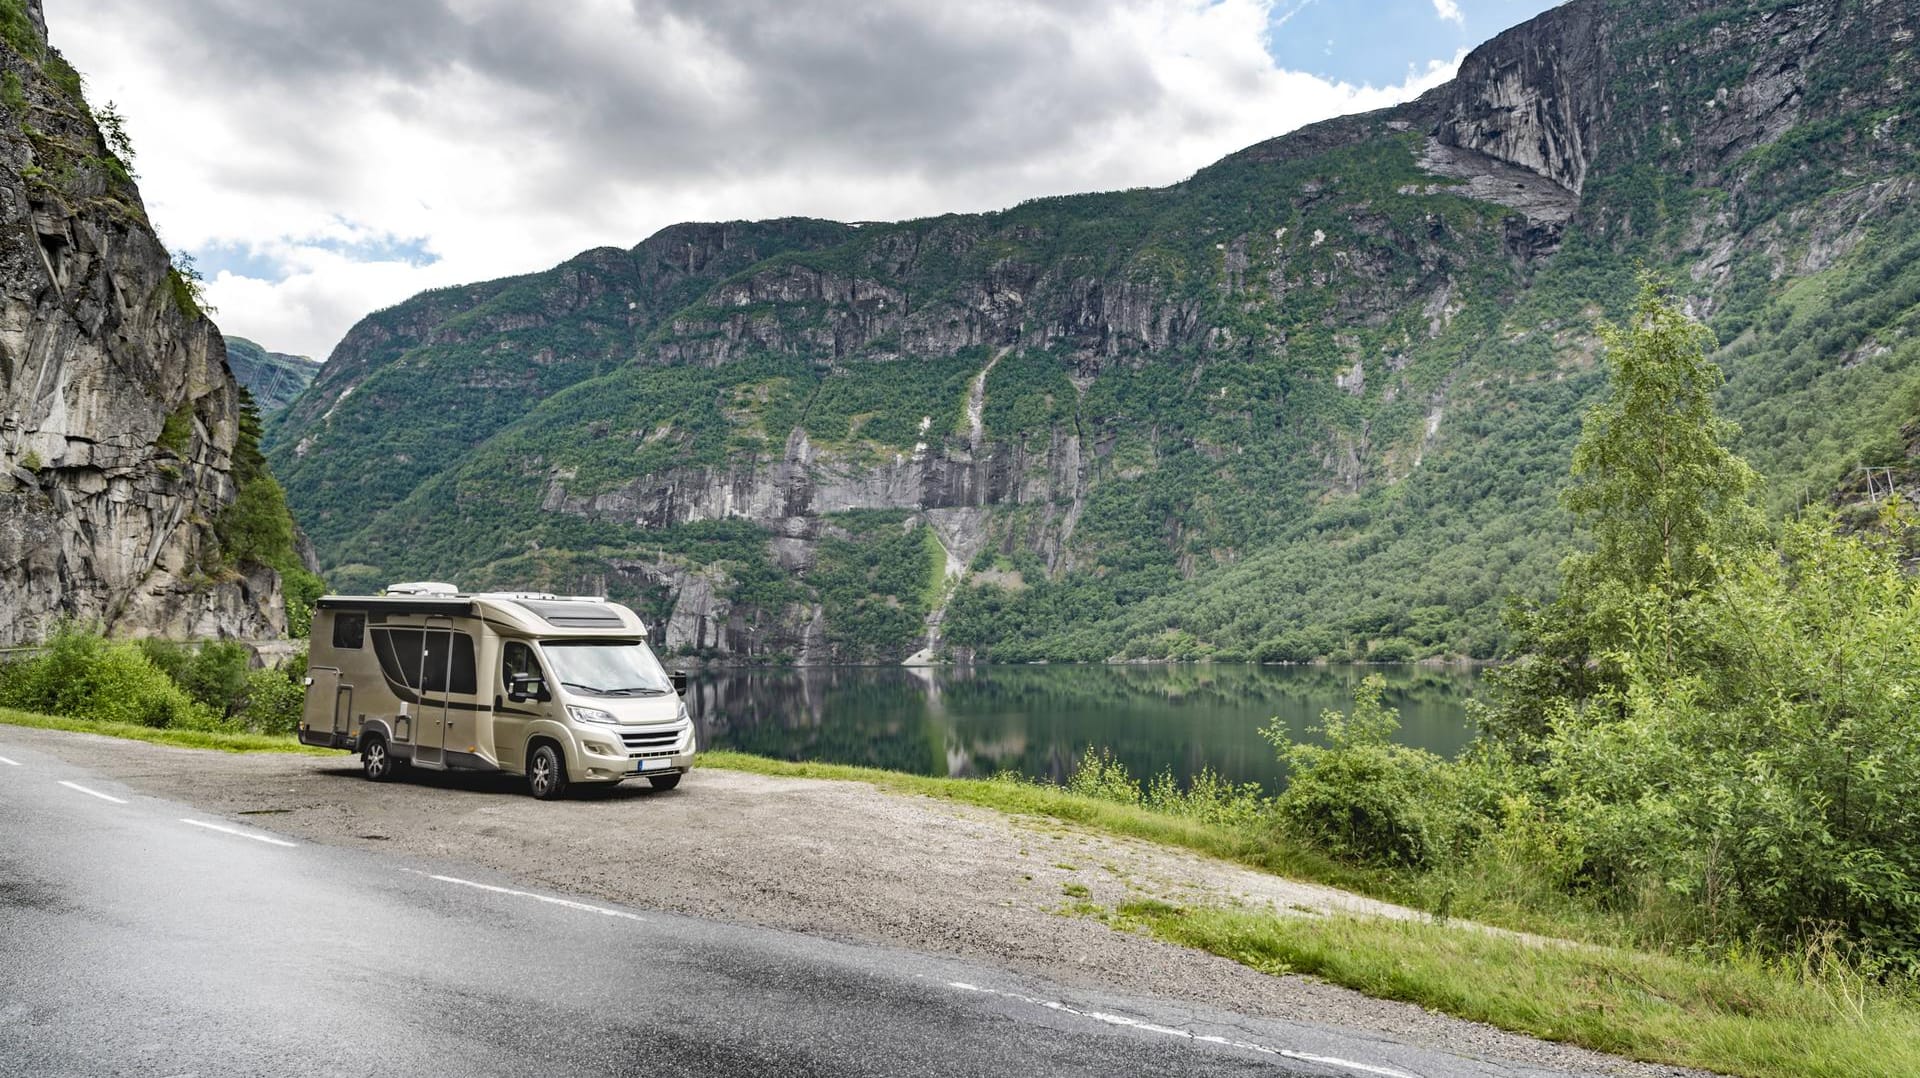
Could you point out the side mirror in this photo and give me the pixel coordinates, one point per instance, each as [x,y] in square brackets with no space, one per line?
[524,687]
[679,678]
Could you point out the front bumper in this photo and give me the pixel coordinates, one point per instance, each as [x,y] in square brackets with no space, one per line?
[605,757]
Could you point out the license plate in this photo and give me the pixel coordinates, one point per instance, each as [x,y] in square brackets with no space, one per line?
[651,765]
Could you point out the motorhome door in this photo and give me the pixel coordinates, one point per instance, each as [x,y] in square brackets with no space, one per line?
[435,655]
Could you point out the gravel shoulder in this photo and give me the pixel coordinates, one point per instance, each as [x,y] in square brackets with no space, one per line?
[840,860]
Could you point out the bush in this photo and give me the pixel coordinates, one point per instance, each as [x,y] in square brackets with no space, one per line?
[1101,774]
[1209,798]
[84,675]
[1361,797]
[273,699]
[1759,781]
[214,673]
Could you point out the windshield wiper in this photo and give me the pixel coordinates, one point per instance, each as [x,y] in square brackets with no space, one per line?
[594,689]
[646,690]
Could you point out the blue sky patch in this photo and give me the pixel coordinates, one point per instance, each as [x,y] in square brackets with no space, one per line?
[1378,42]
[247,260]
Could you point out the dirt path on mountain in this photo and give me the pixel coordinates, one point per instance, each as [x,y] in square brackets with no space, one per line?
[842,860]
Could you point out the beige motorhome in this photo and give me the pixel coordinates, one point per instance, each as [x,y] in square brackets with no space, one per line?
[561,689]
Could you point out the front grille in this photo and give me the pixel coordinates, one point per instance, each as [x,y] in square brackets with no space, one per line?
[645,744]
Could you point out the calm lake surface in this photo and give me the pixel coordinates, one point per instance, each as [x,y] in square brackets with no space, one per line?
[1037,720]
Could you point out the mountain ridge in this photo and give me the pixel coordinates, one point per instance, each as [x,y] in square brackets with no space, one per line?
[1312,401]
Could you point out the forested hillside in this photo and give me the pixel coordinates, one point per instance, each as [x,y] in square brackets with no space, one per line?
[1316,401]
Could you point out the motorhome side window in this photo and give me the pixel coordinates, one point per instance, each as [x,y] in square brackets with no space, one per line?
[430,660]
[517,658]
[349,630]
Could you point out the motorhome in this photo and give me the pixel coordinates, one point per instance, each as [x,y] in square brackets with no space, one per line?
[561,689]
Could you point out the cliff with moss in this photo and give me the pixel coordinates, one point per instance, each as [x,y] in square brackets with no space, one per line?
[132,489]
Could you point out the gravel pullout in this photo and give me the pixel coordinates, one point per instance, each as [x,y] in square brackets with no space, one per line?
[842,860]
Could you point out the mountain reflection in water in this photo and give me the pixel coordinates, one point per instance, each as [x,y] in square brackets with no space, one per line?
[1038,719]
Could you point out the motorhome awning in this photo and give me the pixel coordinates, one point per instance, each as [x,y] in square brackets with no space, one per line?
[452,608]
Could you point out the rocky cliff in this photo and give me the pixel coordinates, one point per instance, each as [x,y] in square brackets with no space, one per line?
[118,418]
[1313,401]
[272,378]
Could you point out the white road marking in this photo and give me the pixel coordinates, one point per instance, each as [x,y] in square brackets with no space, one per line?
[236,831]
[9,763]
[1185,1034]
[568,903]
[94,793]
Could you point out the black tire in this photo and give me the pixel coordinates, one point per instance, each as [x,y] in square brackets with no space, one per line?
[546,772]
[665,782]
[375,760]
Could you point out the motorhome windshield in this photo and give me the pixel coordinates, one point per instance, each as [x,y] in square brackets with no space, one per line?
[607,667]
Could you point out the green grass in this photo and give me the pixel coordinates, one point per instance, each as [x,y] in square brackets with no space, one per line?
[221,740]
[1740,1016]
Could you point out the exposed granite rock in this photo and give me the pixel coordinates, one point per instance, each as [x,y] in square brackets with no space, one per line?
[273,378]
[118,417]
[1535,97]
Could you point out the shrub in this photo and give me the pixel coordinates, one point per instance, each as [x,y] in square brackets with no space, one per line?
[272,699]
[1362,798]
[1209,798]
[84,675]
[176,434]
[1101,774]
[1760,779]
[214,673]
[188,288]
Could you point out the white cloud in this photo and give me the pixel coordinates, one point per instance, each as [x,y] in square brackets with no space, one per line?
[505,136]
[1449,10]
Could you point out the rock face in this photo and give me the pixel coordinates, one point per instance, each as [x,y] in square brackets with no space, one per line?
[1312,401]
[118,417]
[273,378]
[1538,101]
[411,389]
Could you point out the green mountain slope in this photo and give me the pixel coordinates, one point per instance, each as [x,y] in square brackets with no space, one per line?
[273,378]
[1314,401]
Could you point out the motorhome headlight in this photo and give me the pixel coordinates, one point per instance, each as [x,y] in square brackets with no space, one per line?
[589,714]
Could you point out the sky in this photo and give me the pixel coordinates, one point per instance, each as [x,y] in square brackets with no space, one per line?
[322,159]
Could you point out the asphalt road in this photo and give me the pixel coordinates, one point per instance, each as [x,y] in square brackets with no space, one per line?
[139,936]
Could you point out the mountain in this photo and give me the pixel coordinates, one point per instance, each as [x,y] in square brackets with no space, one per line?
[1314,401]
[273,378]
[132,489]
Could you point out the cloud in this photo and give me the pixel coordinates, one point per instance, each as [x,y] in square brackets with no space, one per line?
[1449,10]
[326,159]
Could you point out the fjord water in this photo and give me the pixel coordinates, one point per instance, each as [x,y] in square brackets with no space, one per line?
[1036,720]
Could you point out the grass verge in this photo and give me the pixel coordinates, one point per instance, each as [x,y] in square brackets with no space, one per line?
[1743,1017]
[221,740]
